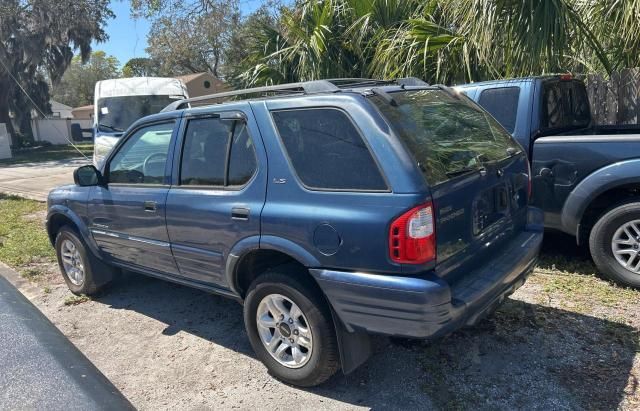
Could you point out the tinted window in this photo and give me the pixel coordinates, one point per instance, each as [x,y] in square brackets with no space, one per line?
[502,103]
[242,159]
[564,105]
[142,158]
[206,149]
[205,152]
[446,135]
[327,151]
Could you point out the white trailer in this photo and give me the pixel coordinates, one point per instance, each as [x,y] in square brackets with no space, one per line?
[118,103]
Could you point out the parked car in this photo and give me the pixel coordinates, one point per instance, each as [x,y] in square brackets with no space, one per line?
[586,178]
[331,210]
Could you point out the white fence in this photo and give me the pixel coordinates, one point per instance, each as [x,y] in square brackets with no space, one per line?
[55,130]
[5,142]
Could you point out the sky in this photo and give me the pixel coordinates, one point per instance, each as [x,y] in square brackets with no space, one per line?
[128,36]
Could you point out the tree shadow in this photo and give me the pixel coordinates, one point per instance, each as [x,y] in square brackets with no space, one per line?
[524,356]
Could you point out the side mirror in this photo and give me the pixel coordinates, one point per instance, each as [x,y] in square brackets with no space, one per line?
[86,176]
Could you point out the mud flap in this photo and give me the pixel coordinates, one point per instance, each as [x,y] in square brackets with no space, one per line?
[354,347]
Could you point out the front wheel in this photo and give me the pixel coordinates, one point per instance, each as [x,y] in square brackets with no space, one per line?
[81,270]
[290,329]
[615,244]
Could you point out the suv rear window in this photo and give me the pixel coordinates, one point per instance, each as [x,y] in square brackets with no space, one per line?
[327,151]
[447,136]
[502,103]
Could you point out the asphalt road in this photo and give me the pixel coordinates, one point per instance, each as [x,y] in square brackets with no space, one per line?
[35,180]
[40,368]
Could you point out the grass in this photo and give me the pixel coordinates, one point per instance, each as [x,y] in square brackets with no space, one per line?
[572,283]
[24,243]
[48,153]
[76,299]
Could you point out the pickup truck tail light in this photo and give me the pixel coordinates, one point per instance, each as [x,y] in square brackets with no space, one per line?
[412,236]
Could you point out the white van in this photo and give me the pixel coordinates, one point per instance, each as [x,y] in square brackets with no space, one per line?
[120,102]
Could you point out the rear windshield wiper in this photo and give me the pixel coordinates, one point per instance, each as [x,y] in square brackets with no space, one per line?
[110,127]
[465,170]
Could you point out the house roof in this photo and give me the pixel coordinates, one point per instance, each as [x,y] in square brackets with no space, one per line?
[59,106]
[190,77]
[89,107]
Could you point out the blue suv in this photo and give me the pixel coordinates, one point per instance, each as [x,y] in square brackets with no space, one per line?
[331,210]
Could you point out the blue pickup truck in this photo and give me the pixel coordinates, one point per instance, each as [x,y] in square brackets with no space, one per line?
[329,209]
[586,178]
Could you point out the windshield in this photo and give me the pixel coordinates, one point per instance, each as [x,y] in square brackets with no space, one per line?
[116,114]
[447,136]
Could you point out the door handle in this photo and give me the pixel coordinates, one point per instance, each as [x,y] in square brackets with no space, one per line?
[239,213]
[150,206]
[545,172]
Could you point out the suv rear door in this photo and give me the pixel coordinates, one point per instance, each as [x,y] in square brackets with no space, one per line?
[218,190]
[476,171]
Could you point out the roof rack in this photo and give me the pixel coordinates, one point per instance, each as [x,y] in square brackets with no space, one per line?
[307,87]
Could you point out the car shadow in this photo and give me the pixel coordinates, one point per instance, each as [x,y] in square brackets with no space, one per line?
[523,356]
[560,252]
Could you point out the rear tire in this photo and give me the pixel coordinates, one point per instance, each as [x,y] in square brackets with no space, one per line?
[616,254]
[296,323]
[83,272]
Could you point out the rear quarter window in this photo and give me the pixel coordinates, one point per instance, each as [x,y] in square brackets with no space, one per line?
[326,150]
[502,104]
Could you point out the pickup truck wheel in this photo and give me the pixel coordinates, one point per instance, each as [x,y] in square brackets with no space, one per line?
[290,329]
[615,244]
[81,270]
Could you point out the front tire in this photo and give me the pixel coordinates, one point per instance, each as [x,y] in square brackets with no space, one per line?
[290,328]
[82,271]
[615,244]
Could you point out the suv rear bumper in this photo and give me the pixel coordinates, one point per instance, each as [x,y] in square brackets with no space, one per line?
[429,307]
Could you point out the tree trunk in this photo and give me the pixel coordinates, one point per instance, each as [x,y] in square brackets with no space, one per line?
[5,91]
[23,122]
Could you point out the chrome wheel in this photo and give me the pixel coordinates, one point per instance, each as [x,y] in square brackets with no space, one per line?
[284,331]
[72,262]
[625,245]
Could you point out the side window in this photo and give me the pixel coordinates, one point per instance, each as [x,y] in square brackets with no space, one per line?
[502,103]
[210,143]
[205,152]
[326,150]
[242,159]
[142,158]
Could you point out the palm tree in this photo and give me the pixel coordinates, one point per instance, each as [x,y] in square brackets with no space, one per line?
[617,24]
[440,41]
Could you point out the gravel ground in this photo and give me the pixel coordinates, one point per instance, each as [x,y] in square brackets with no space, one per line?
[566,340]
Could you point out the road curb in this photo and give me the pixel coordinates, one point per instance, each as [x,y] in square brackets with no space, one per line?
[24,286]
[22,194]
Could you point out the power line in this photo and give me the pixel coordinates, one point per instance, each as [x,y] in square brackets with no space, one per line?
[39,110]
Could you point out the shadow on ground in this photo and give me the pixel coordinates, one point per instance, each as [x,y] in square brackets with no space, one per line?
[559,251]
[524,356]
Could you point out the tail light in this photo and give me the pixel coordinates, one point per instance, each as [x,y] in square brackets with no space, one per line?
[566,77]
[412,236]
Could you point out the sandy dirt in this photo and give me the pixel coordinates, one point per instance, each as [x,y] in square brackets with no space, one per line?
[558,343]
